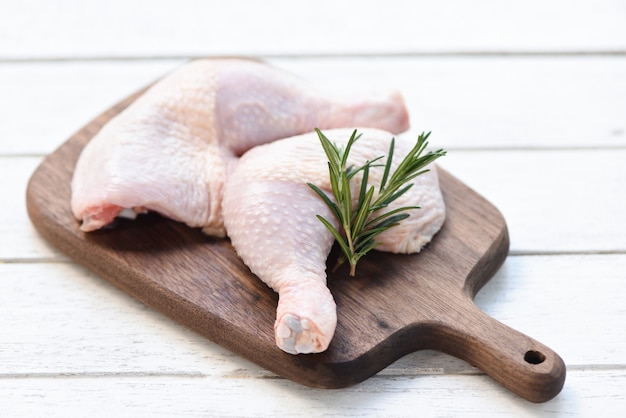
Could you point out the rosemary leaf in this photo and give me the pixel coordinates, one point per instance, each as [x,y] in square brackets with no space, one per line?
[383,182]
[375,223]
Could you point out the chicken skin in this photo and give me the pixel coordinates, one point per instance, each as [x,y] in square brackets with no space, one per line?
[270,214]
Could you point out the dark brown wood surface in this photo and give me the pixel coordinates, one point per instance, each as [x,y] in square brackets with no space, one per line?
[397,303]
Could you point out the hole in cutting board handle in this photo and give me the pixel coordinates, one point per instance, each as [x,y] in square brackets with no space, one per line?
[534,357]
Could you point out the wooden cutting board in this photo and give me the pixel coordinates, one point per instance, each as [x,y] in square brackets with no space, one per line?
[397,303]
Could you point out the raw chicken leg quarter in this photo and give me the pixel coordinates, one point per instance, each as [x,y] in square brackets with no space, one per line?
[172,149]
[269,213]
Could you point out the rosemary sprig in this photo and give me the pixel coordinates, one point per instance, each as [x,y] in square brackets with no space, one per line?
[358,223]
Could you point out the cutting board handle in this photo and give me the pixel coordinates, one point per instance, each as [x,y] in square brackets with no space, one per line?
[520,363]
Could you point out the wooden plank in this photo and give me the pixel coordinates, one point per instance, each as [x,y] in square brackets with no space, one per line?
[587,394]
[279,27]
[543,295]
[79,317]
[466,102]
[553,200]
[494,102]
[58,318]
[18,237]
[566,210]
[51,101]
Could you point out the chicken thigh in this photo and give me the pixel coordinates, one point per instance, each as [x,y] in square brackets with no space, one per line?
[171,150]
[269,212]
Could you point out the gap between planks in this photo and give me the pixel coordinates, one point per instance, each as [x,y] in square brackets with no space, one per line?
[265,374]
[332,55]
[61,259]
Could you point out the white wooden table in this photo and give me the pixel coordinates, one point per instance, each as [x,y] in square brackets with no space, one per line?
[529,98]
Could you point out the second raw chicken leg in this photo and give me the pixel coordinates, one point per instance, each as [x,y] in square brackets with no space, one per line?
[269,212]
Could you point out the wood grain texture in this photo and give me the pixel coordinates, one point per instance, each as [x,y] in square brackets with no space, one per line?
[398,304]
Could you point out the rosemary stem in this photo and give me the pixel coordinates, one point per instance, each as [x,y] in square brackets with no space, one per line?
[352,268]
[352,259]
